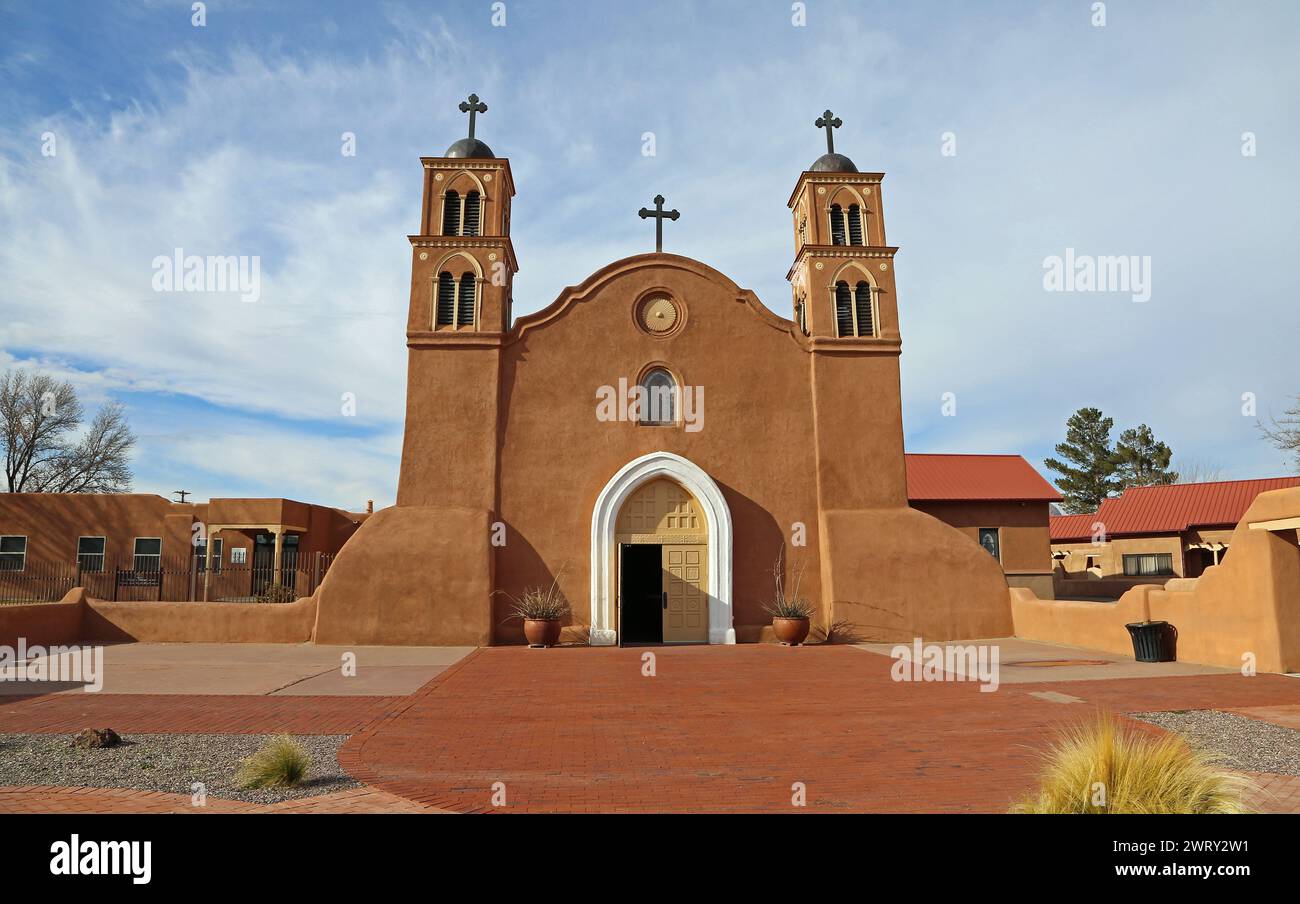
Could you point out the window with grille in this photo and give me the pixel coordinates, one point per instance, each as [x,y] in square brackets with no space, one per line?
[837,225]
[471,215]
[658,398]
[465,305]
[201,555]
[90,554]
[1161,563]
[451,213]
[13,553]
[148,554]
[801,316]
[855,225]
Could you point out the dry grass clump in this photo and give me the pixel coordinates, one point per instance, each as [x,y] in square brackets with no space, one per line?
[1102,766]
[280,764]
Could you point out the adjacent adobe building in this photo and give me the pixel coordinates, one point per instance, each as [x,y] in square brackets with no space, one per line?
[1151,534]
[999,501]
[133,545]
[656,437]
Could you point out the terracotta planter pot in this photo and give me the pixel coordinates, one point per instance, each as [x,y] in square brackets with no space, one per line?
[542,632]
[791,631]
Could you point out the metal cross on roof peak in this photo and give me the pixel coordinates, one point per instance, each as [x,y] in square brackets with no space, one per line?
[472,106]
[828,121]
[660,215]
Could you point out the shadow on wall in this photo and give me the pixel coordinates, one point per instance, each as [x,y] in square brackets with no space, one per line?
[1243,611]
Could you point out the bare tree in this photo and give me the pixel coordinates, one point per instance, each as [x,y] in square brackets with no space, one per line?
[45,450]
[1198,471]
[1285,433]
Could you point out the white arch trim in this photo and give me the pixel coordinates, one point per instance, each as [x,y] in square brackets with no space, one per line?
[604,546]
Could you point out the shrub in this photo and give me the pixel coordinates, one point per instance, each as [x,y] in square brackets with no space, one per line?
[540,603]
[280,764]
[277,593]
[1102,766]
[792,604]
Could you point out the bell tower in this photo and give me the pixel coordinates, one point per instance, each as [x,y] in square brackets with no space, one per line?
[463,263]
[462,272]
[843,296]
[842,278]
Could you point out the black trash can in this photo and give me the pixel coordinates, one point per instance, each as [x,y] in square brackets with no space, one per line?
[1155,641]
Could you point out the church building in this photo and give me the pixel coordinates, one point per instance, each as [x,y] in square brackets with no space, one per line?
[657,438]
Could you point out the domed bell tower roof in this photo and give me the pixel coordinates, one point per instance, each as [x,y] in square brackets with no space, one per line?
[831,163]
[470,147]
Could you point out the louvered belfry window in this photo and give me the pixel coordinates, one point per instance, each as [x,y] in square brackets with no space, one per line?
[855,225]
[472,214]
[465,304]
[451,213]
[865,320]
[837,225]
[854,314]
[843,309]
[446,315]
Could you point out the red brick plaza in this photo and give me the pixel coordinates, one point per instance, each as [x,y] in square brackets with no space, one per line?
[722,729]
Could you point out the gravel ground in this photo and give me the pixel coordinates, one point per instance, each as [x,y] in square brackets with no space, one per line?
[1245,744]
[165,762]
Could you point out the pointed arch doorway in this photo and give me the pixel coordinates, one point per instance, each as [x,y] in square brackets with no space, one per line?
[661,509]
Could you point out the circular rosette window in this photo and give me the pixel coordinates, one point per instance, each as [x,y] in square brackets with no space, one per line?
[659,315]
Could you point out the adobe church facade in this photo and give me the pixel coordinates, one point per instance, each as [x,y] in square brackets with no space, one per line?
[529,451]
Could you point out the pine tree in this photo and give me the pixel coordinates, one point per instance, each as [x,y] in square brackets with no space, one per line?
[1142,460]
[1088,472]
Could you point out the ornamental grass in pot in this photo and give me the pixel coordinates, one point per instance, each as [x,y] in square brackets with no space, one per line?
[791,611]
[542,610]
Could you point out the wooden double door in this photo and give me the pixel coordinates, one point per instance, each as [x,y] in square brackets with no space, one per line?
[663,593]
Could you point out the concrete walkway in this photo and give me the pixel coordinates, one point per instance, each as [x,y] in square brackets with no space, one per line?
[261,669]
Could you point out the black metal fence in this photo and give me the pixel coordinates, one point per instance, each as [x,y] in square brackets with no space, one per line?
[182,580]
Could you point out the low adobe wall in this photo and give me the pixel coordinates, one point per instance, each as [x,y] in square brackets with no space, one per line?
[150,622]
[1248,604]
[44,624]
[78,618]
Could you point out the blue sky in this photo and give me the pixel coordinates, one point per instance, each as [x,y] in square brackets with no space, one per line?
[225,139]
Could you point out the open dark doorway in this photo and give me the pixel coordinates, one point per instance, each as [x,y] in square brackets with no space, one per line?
[640,593]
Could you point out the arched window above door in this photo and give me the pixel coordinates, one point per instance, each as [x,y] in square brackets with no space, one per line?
[658,397]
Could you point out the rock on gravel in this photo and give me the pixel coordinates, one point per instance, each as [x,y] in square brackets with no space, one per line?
[166,762]
[1246,744]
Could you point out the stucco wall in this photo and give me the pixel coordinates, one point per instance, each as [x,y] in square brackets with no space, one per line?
[1023,527]
[411,575]
[154,622]
[43,623]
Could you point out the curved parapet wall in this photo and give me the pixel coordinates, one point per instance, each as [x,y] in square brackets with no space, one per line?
[1246,609]
[419,575]
[898,574]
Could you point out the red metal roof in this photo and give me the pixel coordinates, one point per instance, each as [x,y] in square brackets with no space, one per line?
[959,478]
[1067,528]
[1170,509]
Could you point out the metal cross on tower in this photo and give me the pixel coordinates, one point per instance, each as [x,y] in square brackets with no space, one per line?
[826,121]
[660,215]
[472,107]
